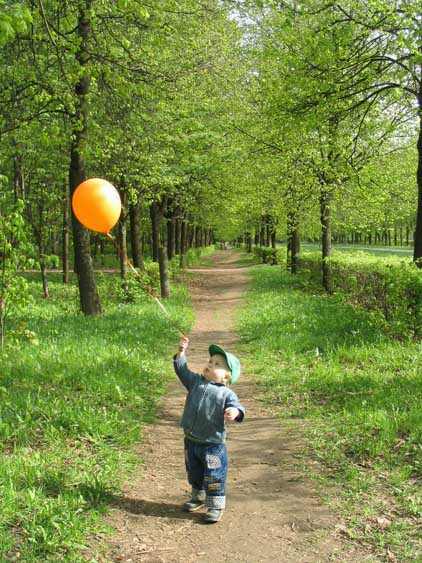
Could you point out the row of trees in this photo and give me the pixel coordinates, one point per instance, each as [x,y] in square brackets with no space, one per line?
[268,118]
[119,90]
[337,88]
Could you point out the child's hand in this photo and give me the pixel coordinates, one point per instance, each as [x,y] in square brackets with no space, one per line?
[183,344]
[231,413]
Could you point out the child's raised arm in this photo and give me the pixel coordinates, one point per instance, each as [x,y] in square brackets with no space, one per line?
[183,346]
[186,376]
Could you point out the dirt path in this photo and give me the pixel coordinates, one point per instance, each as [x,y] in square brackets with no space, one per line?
[272,513]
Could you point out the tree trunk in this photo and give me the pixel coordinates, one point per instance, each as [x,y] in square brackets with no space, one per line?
[135,236]
[177,235]
[144,238]
[248,242]
[262,234]
[158,211]
[171,237]
[89,298]
[122,247]
[191,237]
[164,274]
[325,210]
[295,249]
[155,230]
[65,238]
[273,238]
[293,242]
[417,252]
[102,252]
[43,270]
[268,226]
[183,242]
[163,253]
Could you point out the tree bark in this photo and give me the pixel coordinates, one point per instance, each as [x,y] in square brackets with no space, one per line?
[248,242]
[43,270]
[191,236]
[164,273]
[135,236]
[325,209]
[89,298]
[262,233]
[273,237]
[268,227]
[177,235]
[293,242]
[123,247]
[183,242]
[163,252]
[171,237]
[65,238]
[417,251]
[155,229]
[295,249]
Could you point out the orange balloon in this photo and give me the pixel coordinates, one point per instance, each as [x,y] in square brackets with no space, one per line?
[96,204]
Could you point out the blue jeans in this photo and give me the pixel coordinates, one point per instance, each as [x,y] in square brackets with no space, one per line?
[206,466]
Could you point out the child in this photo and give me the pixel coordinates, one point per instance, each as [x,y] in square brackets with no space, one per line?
[209,404]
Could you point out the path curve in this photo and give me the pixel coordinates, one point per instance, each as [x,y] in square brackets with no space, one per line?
[272,513]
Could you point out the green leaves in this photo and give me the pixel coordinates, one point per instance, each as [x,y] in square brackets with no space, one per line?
[15,249]
[14,18]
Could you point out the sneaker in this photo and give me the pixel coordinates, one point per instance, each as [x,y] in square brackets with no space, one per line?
[193,504]
[213,515]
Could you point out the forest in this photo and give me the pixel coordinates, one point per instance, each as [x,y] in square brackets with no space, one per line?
[289,131]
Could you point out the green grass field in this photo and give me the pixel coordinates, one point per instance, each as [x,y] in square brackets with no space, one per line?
[360,394]
[75,394]
[399,251]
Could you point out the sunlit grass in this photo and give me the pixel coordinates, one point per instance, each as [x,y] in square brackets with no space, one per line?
[75,393]
[387,251]
[321,359]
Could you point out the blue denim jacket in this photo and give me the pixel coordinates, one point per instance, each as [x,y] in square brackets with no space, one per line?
[203,416]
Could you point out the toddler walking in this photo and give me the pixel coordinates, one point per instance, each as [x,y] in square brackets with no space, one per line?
[209,403]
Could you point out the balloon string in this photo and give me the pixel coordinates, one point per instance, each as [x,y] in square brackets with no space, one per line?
[129,263]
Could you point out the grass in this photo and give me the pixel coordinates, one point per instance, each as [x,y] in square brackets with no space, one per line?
[75,394]
[399,251]
[360,393]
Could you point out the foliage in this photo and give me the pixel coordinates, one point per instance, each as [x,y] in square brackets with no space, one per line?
[359,393]
[71,410]
[388,286]
[14,251]
[267,255]
[14,18]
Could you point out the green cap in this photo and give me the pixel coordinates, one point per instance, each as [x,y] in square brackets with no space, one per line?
[232,361]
